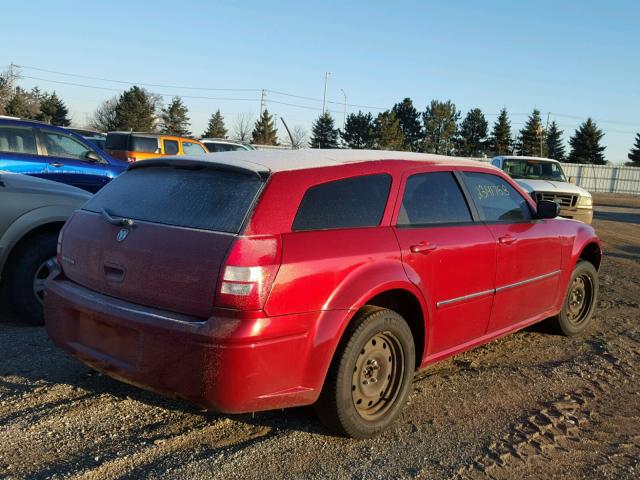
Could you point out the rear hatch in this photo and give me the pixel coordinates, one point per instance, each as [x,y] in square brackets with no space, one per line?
[158,234]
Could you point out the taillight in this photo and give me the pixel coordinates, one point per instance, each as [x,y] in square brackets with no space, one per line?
[131,159]
[248,274]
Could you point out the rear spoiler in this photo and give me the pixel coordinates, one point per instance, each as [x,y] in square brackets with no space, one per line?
[193,163]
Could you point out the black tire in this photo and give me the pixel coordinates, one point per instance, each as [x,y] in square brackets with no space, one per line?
[370,376]
[26,261]
[580,300]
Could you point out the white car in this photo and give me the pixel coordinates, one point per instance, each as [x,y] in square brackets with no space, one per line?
[223,145]
[544,179]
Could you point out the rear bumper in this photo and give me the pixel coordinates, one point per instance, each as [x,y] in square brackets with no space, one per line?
[582,214]
[229,365]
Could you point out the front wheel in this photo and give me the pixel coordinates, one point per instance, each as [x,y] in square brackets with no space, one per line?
[577,311]
[371,374]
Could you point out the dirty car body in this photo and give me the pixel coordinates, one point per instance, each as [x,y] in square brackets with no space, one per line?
[238,297]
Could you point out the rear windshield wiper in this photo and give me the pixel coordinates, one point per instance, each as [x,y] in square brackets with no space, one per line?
[123,222]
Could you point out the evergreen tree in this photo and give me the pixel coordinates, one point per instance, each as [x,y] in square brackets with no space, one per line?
[555,147]
[174,119]
[409,120]
[533,137]
[264,131]
[358,131]
[634,154]
[323,133]
[388,132]
[54,111]
[585,144]
[440,126]
[24,104]
[472,140]
[135,110]
[215,127]
[501,134]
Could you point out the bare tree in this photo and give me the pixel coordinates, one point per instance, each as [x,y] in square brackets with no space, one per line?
[8,80]
[299,137]
[104,118]
[242,127]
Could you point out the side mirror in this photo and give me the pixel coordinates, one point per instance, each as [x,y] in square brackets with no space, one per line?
[572,180]
[548,209]
[93,156]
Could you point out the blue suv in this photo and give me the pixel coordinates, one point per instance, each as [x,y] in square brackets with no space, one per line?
[55,153]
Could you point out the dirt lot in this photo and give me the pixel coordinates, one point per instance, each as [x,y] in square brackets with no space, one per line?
[531,405]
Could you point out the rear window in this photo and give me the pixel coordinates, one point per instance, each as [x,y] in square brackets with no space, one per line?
[349,203]
[203,198]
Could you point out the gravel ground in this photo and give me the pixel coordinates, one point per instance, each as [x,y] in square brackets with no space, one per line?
[531,405]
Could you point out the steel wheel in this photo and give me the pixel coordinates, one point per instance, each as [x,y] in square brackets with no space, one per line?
[377,376]
[47,269]
[580,299]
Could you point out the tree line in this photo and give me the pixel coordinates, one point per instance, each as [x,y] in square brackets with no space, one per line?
[439,129]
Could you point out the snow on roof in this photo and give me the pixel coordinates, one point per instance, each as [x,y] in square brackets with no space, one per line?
[283,160]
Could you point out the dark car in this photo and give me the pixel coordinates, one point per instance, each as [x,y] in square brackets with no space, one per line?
[55,153]
[278,279]
[97,138]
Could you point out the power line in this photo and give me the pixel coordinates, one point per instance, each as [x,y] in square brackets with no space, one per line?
[124,82]
[118,90]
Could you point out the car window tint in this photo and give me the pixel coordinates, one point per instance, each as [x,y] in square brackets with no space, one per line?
[495,199]
[191,148]
[205,198]
[433,198]
[117,141]
[16,139]
[144,144]
[59,145]
[170,147]
[348,203]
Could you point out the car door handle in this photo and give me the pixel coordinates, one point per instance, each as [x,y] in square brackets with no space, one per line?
[423,248]
[57,164]
[507,240]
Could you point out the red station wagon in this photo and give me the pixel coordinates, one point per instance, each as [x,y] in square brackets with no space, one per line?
[248,281]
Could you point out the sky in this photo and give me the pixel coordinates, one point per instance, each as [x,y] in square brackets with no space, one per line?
[569,59]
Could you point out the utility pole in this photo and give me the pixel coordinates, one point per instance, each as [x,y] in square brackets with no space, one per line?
[263,101]
[324,97]
[547,126]
[344,116]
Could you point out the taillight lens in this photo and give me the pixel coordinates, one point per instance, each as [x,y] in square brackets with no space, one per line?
[248,274]
[131,159]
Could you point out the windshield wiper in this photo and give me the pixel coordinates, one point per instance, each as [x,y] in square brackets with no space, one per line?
[120,221]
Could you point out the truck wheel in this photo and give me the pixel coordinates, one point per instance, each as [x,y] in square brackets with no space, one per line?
[577,311]
[31,265]
[370,377]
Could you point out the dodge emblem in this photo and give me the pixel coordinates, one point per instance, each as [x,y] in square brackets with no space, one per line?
[122,234]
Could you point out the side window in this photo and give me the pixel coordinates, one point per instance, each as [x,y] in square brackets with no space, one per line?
[495,199]
[495,162]
[433,198]
[348,203]
[191,148]
[60,145]
[17,139]
[170,147]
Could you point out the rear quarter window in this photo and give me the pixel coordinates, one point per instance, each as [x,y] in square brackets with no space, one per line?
[348,203]
[144,144]
[203,198]
[117,141]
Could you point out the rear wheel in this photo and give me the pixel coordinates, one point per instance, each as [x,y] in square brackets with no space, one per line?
[577,311]
[370,376]
[31,265]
